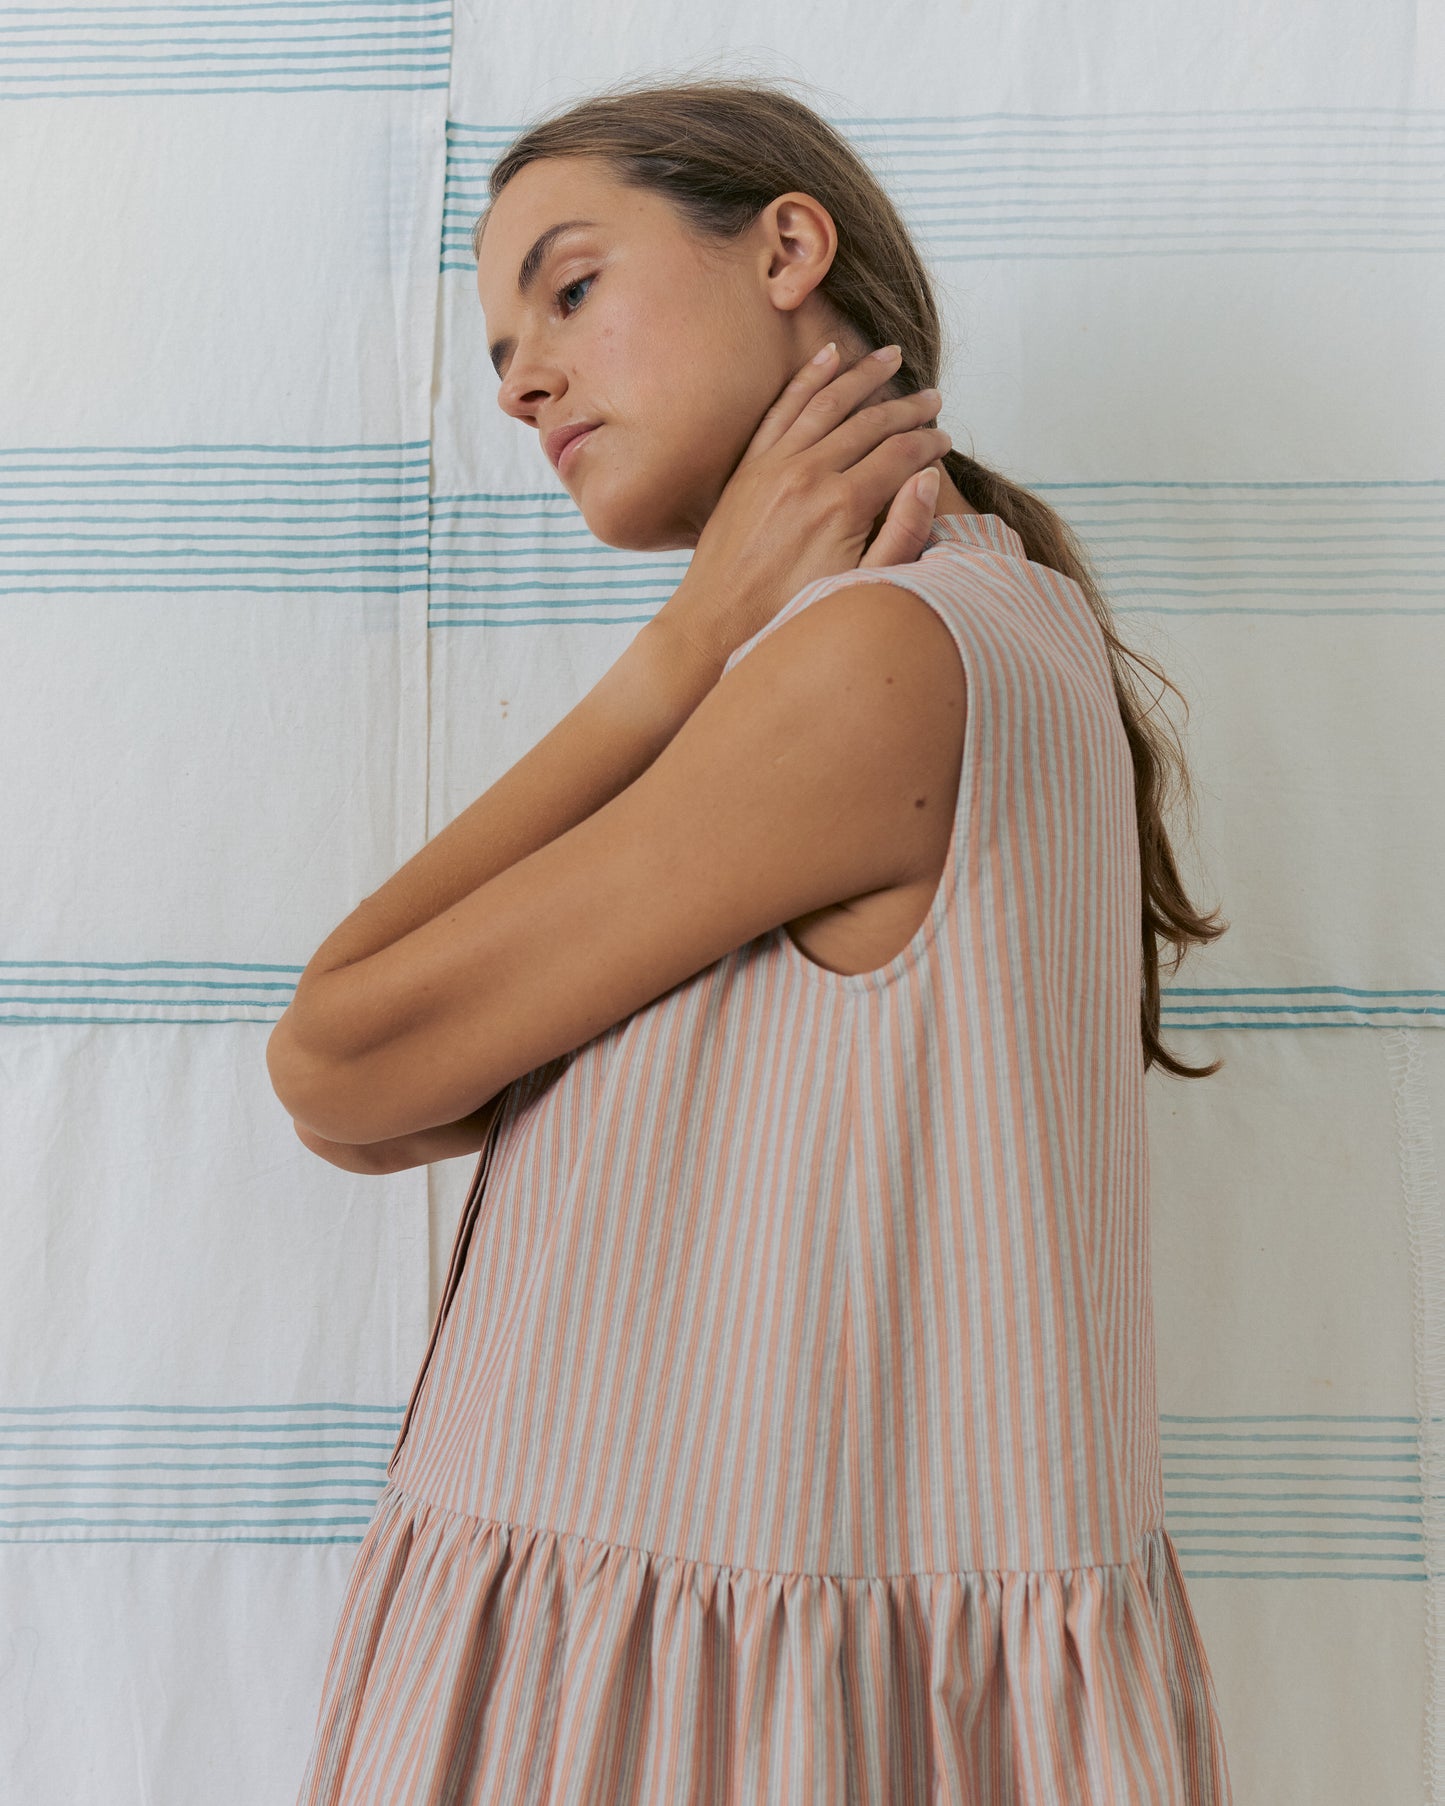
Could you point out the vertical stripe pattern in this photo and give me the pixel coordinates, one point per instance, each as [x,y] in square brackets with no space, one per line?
[788,1431]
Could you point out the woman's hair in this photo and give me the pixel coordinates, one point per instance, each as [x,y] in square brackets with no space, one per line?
[720,151]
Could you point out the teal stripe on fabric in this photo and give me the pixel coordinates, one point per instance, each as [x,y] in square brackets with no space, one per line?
[337,520]
[197,519]
[1304,1496]
[300,1473]
[1206,547]
[128,992]
[121,992]
[231,89]
[56,54]
[1339,1499]
[1187,547]
[248,8]
[1123,185]
[1298,1006]
[497,561]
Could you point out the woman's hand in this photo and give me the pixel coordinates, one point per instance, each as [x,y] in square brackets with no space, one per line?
[819,475]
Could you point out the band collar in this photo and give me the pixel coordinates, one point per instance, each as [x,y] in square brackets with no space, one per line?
[988,530]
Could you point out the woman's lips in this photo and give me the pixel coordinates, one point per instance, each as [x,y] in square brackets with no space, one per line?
[570,447]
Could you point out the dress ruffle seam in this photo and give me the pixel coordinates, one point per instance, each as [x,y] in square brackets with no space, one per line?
[398,1490]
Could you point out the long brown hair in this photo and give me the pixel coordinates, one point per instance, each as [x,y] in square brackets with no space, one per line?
[720,151]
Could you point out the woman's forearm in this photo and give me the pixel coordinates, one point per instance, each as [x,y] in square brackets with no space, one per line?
[604,744]
[444,1142]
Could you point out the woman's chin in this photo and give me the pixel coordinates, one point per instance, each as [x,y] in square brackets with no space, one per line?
[633,519]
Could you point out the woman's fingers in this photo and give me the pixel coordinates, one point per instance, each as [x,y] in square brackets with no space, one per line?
[853,438]
[818,398]
[875,481]
[815,375]
[826,405]
[876,449]
[904,532]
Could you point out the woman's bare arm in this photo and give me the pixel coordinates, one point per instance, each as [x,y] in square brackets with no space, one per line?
[604,744]
[594,752]
[465,1136]
[621,726]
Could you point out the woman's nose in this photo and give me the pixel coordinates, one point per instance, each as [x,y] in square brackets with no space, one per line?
[530,382]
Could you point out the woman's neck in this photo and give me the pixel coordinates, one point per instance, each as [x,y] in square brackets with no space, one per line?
[951,499]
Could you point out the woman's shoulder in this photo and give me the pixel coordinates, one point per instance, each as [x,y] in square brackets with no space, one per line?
[875,667]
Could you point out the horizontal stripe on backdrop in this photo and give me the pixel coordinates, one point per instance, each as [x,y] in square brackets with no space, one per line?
[127,992]
[1112,185]
[276,47]
[357,519]
[1256,1497]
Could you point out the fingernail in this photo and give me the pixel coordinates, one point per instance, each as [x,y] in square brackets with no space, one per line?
[887,352]
[827,352]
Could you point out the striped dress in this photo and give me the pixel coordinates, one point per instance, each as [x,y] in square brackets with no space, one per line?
[788,1429]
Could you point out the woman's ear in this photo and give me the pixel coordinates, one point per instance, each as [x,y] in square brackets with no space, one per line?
[800,242]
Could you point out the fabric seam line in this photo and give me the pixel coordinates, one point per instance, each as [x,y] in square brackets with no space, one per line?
[1151,1533]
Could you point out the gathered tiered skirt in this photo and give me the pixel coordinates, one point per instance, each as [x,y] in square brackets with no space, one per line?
[488,1664]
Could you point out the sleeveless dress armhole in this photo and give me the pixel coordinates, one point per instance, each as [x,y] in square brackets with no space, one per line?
[923,583]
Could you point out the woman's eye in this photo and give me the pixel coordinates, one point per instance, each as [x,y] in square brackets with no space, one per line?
[567,290]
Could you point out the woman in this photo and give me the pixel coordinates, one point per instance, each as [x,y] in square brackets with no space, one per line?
[788,1429]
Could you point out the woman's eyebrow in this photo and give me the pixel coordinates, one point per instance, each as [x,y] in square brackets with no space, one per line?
[527,275]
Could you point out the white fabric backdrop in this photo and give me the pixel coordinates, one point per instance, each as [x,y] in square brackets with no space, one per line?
[281,590]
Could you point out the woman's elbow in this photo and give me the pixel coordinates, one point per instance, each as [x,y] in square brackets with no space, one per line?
[306,1087]
[371,1158]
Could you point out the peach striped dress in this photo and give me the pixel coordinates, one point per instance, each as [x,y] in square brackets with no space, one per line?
[788,1430]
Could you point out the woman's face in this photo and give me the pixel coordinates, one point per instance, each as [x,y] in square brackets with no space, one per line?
[676,348]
